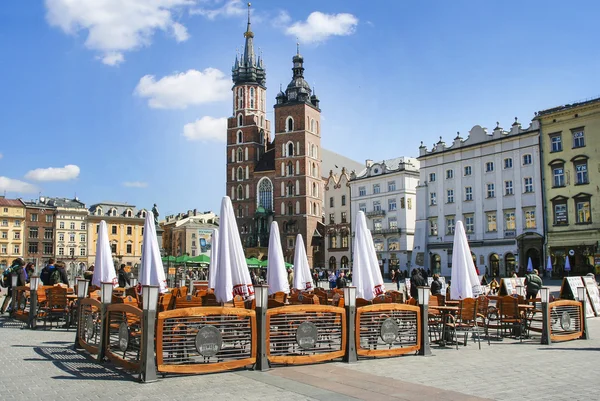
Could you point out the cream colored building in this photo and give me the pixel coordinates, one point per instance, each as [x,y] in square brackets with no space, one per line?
[570,139]
[125,226]
[12,221]
[338,231]
[189,233]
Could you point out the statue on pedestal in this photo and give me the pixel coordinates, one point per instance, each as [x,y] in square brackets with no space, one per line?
[156,214]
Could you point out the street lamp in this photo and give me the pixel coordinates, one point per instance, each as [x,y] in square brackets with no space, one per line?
[261,294]
[82,291]
[106,291]
[34,283]
[545,297]
[149,307]
[582,296]
[14,280]
[350,305]
[423,294]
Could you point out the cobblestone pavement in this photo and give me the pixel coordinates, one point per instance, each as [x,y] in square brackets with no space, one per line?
[43,365]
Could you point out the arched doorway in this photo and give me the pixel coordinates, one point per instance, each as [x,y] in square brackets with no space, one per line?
[494,262]
[436,264]
[534,254]
[510,263]
[344,262]
[332,263]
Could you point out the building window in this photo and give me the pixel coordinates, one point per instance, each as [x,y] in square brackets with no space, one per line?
[344,217]
[450,225]
[555,142]
[82,238]
[61,237]
[409,203]
[489,167]
[48,249]
[343,200]
[49,218]
[331,201]
[3,249]
[33,232]
[449,174]
[402,203]
[34,217]
[362,207]
[265,194]
[17,235]
[508,188]
[432,199]
[583,211]
[509,221]
[289,124]
[561,216]
[71,237]
[528,181]
[240,174]
[17,223]
[81,251]
[82,226]
[468,170]
[376,188]
[469,223]
[251,98]
[345,240]
[129,230]
[113,248]
[377,206]
[526,160]
[114,229]
[240,155]
[362,191]
[530,219]
[392,204]
[331,218]
[72,226]
[468,193]
[4,235]
[491,221]
[431,177]
[48,233]
[17,249]
[393,223]
[391,186]
[450,196]
[433,227]
[508,162]
[491,191]
[61,251]
[581,172]
[558,175]
[377,224]
[4,223]
[578,139]
[332,241]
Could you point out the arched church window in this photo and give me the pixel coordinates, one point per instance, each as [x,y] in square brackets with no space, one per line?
[240,174]
[240,120]
[312,125]
[240,98]
[240,155]
[290,189]
[289,124]
[240,137]
[265,194]
[240,192]
[290,208]
[251,98]
[314,170]
[290,169]
[290,149]
[314,189]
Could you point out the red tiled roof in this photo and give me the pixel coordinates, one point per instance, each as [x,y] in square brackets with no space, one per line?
[11,202]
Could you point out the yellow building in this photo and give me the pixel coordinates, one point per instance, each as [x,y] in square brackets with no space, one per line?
[125,232]
[570,136]
[12,220]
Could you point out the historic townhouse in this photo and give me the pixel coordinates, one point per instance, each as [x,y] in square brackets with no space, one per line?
[570,136]
[386,192]
[189,233]
[12,219]
[39,232]
[492,182]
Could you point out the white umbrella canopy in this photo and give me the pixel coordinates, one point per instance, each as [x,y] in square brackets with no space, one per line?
[465,283]
[366,275]
[152,271]
[232,275]
[276,272]
[302,276]
[214,259]
[529,265]
[104,267]
[549,264]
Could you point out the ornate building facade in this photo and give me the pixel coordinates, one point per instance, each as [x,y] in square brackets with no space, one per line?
[12,219]
[275,179]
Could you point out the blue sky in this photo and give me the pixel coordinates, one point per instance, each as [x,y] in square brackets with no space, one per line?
[78,117]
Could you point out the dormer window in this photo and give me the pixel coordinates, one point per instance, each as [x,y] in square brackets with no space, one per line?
[129,213]
[98,211]
[113,212]
[143,214]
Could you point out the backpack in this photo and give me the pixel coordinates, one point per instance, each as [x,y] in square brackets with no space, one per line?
[55,277]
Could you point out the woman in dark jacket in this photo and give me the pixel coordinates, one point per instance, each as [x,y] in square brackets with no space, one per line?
[416,280]
[436,285]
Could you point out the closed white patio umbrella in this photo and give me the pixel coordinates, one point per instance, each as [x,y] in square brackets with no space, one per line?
[214,259]
[302,276]
[152,271]
[366,275]
[276,272]
[104,267]
[465,283]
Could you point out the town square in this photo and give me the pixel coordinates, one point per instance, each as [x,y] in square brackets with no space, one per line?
[170,228]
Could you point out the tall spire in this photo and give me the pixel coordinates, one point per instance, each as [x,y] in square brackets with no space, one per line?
[249,59]
[249,69]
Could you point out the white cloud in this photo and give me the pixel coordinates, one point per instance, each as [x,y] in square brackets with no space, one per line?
[1,155]
[135,184]
[206,129]
[282,19]
[68,172]
[319,26]
[231,8]
[11,185]
[116,26]
[178,91]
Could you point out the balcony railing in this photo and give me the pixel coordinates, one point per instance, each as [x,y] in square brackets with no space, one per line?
[375,213]
[385,231]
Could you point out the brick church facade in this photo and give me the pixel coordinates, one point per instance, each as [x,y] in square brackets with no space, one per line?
[274,169]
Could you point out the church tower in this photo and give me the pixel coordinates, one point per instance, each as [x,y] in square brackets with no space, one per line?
[298,180]
[247,131]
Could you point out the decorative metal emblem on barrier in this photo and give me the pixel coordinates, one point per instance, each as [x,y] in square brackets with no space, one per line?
[209,341]
[565,321]
[90,328]
[23,302]
[389,330]
[307,335]
[123,336]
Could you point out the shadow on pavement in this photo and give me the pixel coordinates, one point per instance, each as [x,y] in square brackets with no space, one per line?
[78,365]
[550,348]
[9,323]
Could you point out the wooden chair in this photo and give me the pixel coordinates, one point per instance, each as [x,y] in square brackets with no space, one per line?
[165,302]
[396,296]
[485,312]
[271,303]
[57,305]
[510,317]
[465,320]
[382,300]
[362,302]
[435,317]
[412,301]
[279,296]
[311,299]
[238,302]
[210,300]
[188,302]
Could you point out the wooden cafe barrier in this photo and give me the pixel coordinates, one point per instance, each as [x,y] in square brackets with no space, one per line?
[205,339]
[124,335]
[90,325]
[22,304]
[388,329]
[301,334]
[566,319]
